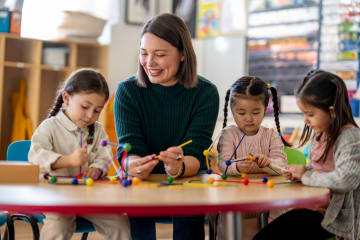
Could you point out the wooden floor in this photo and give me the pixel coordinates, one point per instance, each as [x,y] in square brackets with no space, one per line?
[23,232]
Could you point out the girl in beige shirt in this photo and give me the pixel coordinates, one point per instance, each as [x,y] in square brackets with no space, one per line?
[69,141]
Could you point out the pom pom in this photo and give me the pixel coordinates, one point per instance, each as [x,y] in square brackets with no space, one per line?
[127,147]
[170,179]
[74,181]
[246,181]
[264,179]
[125,183]
[211,180]
[206,152]
[53,179]
[270,184]
[209,171]
[89,182]
[135,181]
[129,182]
[103,143]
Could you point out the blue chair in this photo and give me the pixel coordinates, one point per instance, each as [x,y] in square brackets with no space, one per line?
[18,151]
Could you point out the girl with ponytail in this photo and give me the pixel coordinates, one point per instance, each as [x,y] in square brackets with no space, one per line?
[334,164]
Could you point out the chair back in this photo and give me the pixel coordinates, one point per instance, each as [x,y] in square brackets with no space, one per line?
[294,156]
[18,151]
[3,217]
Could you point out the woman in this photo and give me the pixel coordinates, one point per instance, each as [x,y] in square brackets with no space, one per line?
[164,105]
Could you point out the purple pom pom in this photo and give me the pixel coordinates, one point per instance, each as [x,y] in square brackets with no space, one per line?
[103,143]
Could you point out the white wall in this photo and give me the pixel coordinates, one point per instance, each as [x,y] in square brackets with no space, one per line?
[222,62]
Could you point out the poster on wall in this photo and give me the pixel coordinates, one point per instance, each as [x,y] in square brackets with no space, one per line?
[233,17]
[186,9]
[208,18]
[138,12]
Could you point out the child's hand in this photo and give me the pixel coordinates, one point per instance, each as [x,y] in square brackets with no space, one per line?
[243,166]
[261,160]
[286,174]
[79,157]
[92,172]
[295,172]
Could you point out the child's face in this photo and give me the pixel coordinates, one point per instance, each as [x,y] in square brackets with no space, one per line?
[83,108]
[248,114]
[316,118]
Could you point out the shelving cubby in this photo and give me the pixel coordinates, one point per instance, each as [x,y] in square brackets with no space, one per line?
[22,58]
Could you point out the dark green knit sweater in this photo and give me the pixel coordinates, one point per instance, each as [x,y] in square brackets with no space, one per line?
[155,118]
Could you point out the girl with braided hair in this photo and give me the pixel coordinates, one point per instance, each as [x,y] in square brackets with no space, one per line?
[68,141]
[249,98]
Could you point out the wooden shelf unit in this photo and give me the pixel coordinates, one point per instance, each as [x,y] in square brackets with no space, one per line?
[22,58]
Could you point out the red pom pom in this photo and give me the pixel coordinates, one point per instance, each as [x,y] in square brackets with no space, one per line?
[246,181]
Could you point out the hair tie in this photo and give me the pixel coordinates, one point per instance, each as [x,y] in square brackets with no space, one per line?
[280,134]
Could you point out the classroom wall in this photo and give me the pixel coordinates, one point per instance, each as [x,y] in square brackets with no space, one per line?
[221,60]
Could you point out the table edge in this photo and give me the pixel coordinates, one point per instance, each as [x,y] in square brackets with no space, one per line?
[167,210]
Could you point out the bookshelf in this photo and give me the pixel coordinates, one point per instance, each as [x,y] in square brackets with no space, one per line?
[22,58]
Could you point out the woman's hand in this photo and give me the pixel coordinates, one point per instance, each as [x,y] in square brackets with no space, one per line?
[92,172]
[141,167]
[173,158]
[294,172]
[261,160]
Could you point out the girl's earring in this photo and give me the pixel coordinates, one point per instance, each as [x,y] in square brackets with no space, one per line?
[332,113]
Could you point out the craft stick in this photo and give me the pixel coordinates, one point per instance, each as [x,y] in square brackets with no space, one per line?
[274,170]
[185,143]
[81,137]
[279,167]
[69,181]
[181,145]
[114,166]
